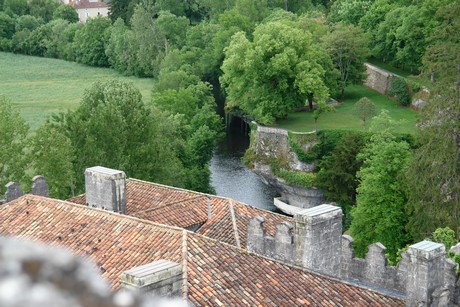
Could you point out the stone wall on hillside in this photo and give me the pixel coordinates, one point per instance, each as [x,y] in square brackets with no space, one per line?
[378,79]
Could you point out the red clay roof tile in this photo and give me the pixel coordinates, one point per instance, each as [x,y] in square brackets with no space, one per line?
[215,270]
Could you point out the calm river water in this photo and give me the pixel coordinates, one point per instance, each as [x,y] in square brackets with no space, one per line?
[231,178]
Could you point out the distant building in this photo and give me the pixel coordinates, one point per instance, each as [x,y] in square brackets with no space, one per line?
[89,8]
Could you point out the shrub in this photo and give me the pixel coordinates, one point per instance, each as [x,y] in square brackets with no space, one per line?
[303,179]
[297,140]
[445,236]
[365,109]
[400,90]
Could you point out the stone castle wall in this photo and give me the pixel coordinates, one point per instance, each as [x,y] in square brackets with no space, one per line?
[424,275]
[378,79]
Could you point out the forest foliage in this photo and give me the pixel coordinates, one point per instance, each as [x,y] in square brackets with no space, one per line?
[266,59]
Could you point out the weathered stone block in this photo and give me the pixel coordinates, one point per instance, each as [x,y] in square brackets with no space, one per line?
[284,244]
[425,272]
[378,79]
[13,191]
[39,186]
[105,189]
[163,278]
[256,235]
[318,235]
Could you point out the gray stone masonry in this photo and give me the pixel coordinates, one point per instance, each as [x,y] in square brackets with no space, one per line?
[378,79]
[318,234]
[424,274]
[13,191]
[256,234]
[272,142]
[159,278]
[39,186]
[284,245]
[106,189]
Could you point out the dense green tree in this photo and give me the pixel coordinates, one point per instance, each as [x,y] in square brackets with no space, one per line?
[254,10]
[338,170]
[113,127]
[183,94]
[365,110]
[14,131]
[172,29]
[16,8]
[121,49]
[348,47]
[90,42]
[443,51]
[43,8]
[399,89]
[59,43]
[51,155]
[6,31]
[65,12]
[28,22]
[376,14]
[6,26]
[384,44]
[150,40]
[434,175]
[275,73]
[119,9]
[380,212]
[348,11]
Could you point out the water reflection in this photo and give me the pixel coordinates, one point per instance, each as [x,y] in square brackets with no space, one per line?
[231,178]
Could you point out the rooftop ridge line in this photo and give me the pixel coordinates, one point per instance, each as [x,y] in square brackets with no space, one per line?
[118,215]
[169,204]
[200,193]
[184,265]
[235,226]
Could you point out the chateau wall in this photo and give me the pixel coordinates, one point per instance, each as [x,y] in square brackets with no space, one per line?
[424,275]
[378,79]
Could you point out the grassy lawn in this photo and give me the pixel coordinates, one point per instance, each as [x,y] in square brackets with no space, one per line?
[344,116]
[41,86]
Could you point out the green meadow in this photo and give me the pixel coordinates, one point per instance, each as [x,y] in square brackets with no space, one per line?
[344,116]
[39,87]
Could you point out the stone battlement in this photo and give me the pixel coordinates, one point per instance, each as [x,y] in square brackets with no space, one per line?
[424,275]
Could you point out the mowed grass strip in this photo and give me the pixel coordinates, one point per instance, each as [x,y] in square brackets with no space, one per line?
[39,87]
[345,116]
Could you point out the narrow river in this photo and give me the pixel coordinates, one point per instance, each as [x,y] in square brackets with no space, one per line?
[231,178]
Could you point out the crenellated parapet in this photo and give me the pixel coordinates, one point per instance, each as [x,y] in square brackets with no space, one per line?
[424,274]
[14,191]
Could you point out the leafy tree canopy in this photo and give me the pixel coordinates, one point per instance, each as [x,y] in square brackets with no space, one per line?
[274,73]
[12,144]
[380,212]
[348,47]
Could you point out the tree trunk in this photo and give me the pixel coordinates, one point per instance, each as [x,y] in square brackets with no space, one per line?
[310,101]
[342,94]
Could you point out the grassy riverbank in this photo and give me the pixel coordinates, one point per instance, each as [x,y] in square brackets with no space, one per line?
[344,117]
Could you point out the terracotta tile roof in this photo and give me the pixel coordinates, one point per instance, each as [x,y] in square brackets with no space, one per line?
[232,277]
[217,273]
[111,240]
[183,208]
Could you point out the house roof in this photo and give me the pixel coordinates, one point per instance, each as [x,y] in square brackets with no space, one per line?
[216,273]
[186,209]
[87,4]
